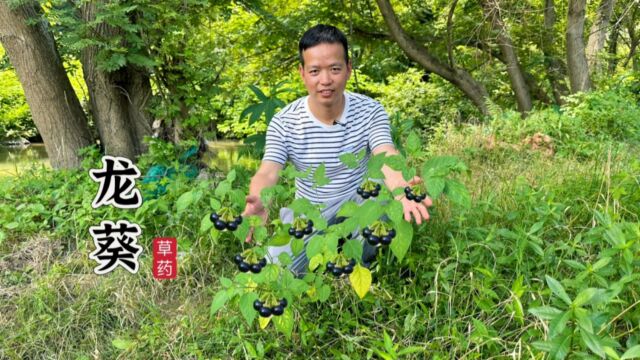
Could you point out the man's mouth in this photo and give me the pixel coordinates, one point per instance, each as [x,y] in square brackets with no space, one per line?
[326,92]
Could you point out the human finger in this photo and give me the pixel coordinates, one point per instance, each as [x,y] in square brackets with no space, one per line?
[249,235]
[416,215]
[423,211]
[415,181]
[427,201]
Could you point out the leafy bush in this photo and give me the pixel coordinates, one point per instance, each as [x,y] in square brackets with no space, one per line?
[15,116]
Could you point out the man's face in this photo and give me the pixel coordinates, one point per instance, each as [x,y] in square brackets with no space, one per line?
[325,73]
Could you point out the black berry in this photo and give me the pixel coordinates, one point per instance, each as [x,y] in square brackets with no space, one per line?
[292,231]
[299,234]
[366,232]
[263,262]
[385,240]
[392,233]
[238,219]
[255,268]
[265,311]
[366,195]
[257,305]
[237,259]
[348,269]
[232,226]
[283,302]
[373,240]
[375,193]
[277,310]
[220,225]
[214,217]
[352,262]
[337,271]
[244,267]
[308,230]
[330,266]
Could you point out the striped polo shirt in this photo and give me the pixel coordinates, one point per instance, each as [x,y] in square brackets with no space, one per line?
[295,134]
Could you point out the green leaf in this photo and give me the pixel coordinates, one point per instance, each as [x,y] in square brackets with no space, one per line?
[349,160]
[184,201]
[315,245]
[360,280]
[297,245]
[215,204]
[369,212]
[323,293]
[205,224]
[280,238]
[545,312]
[218,302]
[585,296]
[592,342]
[352,249]
[583,319]
[246,306]
[264,322]
[315,261]
[401,243]
[559,324]
[123,344]
[284,322]
[348,209]
[319,176]
[413,144]
[631,353]
[558,289]
[395,211]
[457,193]
[435,186]
[258,93]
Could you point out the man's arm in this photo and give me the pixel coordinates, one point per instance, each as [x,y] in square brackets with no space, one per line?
[393,179]
[266,176]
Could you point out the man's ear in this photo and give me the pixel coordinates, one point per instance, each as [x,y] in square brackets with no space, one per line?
[301,70]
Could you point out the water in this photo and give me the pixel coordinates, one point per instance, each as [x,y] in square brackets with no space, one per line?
[14,160]
[222,155]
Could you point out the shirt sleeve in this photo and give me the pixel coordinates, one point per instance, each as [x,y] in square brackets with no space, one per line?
[275,148]
[379,128]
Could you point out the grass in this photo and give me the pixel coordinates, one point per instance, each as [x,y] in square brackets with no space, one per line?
[473,274]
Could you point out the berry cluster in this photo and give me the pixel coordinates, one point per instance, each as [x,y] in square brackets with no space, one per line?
[225,220]
[378,234]
[300,228]
[369,189]
[338,271]
[245,266]
[413,194]
[266,311]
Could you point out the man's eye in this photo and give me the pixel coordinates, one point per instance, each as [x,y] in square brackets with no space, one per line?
[336,69]
[313,72]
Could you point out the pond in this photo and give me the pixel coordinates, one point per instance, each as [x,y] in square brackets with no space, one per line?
[221,155]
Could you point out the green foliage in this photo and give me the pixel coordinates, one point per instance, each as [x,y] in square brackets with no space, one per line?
[15,116]
[584,126]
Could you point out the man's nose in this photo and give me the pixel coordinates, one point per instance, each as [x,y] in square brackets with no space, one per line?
[325,77]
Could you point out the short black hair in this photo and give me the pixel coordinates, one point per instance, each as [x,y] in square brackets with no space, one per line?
[322,34]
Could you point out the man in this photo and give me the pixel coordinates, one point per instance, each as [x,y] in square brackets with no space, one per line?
[317,129]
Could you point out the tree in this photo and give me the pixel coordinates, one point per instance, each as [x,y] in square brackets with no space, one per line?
[598,33]
[55,108]
[519,85]
[118,92]
[576,58]
[556,72]
[459,77]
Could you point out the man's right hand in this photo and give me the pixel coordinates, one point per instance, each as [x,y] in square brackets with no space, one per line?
[255,207]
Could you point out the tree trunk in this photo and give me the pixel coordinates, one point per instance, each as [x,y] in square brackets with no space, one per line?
[613,49]
[518,84]
[456,76]
[556,68]
[55,108]
[118,98]
[598,33]
[576,58]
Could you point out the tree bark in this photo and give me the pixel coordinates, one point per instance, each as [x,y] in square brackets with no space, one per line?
[460,78]
[118,98]
[598,33]
[518,84]
[576,58]
[613,49]
[55,108]
[556,68]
